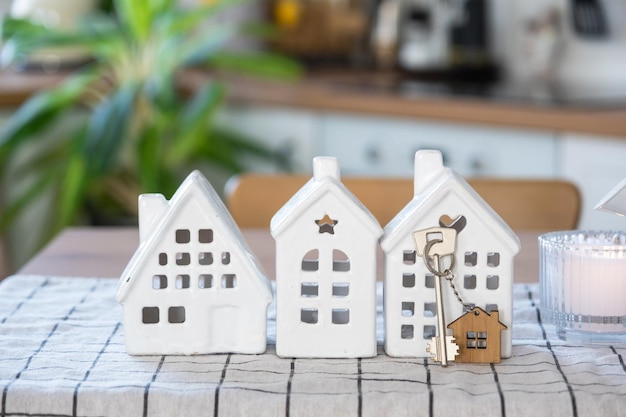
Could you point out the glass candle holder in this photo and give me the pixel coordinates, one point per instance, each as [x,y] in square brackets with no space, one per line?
[582,275]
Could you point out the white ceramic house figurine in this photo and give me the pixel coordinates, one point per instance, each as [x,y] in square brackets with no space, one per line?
[192,286]
[326,243]
[483,272]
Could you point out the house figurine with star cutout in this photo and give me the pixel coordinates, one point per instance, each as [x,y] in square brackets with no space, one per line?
[483,272]
[192,286]
[326,244]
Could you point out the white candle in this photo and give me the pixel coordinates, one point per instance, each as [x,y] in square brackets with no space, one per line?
[583,280]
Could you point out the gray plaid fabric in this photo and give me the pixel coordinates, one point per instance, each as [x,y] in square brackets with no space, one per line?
[62,354]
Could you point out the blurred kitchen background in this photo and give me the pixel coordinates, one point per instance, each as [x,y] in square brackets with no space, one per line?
[522,88]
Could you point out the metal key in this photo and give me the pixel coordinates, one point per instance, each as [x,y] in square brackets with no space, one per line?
[435,243]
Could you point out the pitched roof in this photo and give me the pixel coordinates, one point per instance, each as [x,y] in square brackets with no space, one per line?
[326,179]
[195,186]
[472,316]
[432,179]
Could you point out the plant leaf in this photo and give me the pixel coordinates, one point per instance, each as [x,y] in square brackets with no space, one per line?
[71,193]
[205,44]
[108,127]
[136,17]
[38,112]
[15,208]
[194,119]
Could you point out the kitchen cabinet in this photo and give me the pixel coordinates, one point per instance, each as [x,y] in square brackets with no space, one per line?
[385,146]
[289,132]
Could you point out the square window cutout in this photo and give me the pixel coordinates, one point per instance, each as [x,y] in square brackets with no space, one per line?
[471,258]
[309,315]
[150,315]
[205,235]
[182,281]
[430,332]
[341,289]
[205,258]
[205,281]
[408,280]
[182,236]
[309,289]
[176,314]
[493,259]
[407,331]
[183,258]
[469,282]
[159,282]
[229,281]
[408,257]
[341,316]
[430,309]
[429,281]
[493,282]
[408,309]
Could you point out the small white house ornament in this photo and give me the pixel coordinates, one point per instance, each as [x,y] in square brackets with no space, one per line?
[326,243]
[192,286]
[482,273]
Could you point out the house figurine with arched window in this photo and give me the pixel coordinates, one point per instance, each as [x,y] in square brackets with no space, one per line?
[192,286]
[483,275]
[326,244]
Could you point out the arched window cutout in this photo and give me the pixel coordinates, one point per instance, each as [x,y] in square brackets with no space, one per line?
[341,262]
[311,262]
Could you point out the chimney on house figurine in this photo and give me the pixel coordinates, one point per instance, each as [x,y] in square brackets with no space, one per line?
[151,208]
[428,165]
[326,166]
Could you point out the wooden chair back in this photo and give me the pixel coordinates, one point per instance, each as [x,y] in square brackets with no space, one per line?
[525,204]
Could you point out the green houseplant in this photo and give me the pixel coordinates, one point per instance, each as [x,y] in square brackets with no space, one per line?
[140,132]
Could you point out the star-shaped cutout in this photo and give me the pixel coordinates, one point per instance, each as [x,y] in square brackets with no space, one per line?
[326,224]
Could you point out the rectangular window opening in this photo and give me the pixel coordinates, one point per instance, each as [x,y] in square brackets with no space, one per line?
[341,316]
[205,281]
[182,236]
[408,257]
[429,281]
[162,258]
[408,280]
[493,282]
[309,315]
[430,332]
[469,282]
[493,259]
[471,258]
[183,258]
[229,281]
[176,315]
[341,289]
[182,281]
[309,289]
[408,309]
[225,258]
[430,309]
[150,315]
[159,282]
[407,331]
[205,235]
[205,258]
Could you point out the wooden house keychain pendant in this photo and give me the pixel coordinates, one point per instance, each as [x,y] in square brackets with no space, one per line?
[477,330]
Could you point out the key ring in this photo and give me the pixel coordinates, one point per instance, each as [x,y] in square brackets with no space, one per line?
[427,258]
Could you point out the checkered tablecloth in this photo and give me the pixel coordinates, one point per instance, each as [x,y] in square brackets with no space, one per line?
[62,354]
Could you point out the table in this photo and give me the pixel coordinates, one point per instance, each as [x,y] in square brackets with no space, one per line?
[104,252]
[62,353]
